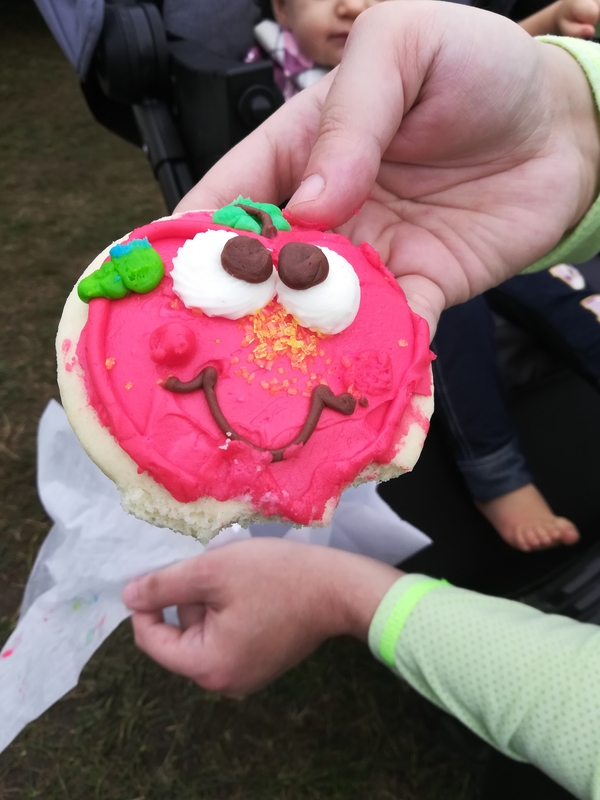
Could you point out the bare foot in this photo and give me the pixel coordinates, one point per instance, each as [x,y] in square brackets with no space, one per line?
[525,520]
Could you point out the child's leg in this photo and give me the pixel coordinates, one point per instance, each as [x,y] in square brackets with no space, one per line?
[485,443]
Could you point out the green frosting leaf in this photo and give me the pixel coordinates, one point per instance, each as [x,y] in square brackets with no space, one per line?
[238,219]
[132,267]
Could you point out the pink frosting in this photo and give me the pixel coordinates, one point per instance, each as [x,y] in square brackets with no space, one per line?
[129,346]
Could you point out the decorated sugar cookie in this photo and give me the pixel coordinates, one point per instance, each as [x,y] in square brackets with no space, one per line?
[228,367]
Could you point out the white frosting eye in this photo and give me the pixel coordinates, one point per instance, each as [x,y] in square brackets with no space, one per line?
[200,280]
[330,306]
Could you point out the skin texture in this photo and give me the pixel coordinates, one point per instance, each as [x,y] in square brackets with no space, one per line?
[320,27]
[249,611]
[469,149]
[576,18]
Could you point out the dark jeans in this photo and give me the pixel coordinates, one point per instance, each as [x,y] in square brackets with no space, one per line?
[469,390]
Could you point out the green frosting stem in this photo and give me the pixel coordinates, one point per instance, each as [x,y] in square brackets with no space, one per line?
[132,267]
[235,217]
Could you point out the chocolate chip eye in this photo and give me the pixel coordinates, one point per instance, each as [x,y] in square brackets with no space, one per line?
[302,265]
[247,259]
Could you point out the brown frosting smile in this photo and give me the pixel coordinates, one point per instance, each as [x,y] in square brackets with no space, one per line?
[322,397]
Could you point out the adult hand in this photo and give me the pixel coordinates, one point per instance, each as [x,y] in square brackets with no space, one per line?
[251,610]
[468,147]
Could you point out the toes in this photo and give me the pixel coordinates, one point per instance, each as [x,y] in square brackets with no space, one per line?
[568,532]
[539,534]
[537,537]
[547,535]
[522,539]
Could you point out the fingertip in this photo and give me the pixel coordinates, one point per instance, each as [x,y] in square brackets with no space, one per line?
[130,594]
[334,205]
[310,189]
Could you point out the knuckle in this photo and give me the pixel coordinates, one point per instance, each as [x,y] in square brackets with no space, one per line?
[149,588]
[334,122]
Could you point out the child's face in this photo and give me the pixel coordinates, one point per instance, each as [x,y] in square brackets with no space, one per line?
[320,27]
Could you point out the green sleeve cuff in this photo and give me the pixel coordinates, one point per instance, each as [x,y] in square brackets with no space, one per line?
[584,241]
[393,611]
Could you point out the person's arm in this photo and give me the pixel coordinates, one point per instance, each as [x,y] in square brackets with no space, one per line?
[576,18]
[252,610]
[524,681]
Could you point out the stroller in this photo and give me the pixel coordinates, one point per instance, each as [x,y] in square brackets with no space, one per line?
[169,77]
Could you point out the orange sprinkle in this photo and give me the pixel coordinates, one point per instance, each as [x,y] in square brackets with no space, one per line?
[280,370]
[292,391]
[175,303]
[328,360]
[250,357]
[402,342]
[251,377]
[197,312]
[110,362]
[306,394]
[322,353]
[234,360]
[277,333]
[217,341]
[346,362]
[128,386]
[264,384]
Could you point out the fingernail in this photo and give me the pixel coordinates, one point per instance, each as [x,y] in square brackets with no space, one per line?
[308,190]
[130,594]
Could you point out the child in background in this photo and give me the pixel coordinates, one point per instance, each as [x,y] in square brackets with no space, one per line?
[306,40]
[307,37]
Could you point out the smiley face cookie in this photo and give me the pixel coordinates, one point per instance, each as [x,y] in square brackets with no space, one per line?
[227,367]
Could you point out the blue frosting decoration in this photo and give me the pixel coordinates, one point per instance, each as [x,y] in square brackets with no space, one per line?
[119,250]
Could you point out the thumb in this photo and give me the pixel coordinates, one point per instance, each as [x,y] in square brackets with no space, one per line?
[360,116]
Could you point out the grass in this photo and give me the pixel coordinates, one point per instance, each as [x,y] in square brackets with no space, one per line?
[337,727]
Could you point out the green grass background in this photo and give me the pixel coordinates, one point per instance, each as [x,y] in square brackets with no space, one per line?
[338,726]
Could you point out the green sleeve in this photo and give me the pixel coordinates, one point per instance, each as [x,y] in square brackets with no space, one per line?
[526,682]
[583,242]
